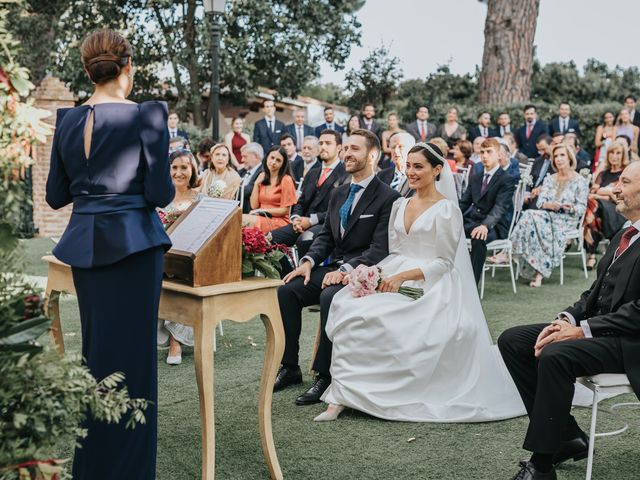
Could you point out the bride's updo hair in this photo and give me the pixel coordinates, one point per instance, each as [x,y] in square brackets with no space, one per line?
[104,53]
[434,160]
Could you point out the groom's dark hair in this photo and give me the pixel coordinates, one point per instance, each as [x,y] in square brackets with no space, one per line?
[370,138]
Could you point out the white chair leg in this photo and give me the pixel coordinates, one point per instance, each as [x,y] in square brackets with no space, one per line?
[584,263]
[493,272]
[513,279]
[221,329]
[215,341]
[482,284]
[562,270]
[592,434]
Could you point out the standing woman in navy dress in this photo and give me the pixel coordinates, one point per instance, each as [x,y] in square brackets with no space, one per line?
[110,159]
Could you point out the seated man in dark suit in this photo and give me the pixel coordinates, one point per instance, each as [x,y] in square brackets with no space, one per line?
[307,216]
[485,205]
[600,333]
[400,143]
[582,156]
[483,128]
[563,123]
[295,161]
[298,129]
[354,233]
[528,134]
[329,123]
[539,170]
[251,154]
[267,130]
[507,162]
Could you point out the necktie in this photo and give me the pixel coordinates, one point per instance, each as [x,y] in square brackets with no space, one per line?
[625,240]
[529,128]
[484,132]
[270,125]
[398,179]
[325,173]
[423,132]
[345,209]
[485,183]
[299,139]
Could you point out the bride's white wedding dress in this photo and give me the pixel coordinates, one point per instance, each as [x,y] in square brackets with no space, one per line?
[425,360]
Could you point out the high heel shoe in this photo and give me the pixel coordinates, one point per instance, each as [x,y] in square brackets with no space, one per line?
[536,282]
[330,414]
[591,263]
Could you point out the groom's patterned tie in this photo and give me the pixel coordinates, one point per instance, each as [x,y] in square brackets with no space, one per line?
[345,209]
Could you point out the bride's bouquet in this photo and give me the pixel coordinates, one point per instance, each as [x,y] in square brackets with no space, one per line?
[365,281]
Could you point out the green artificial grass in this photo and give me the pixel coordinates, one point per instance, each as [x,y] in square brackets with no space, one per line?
[356,446]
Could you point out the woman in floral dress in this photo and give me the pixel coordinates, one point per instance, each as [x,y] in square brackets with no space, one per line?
[539,238]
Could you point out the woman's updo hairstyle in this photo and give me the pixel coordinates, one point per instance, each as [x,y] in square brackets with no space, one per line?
[104,53]
[432,154]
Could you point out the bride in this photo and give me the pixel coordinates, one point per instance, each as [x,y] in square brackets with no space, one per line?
[425,360]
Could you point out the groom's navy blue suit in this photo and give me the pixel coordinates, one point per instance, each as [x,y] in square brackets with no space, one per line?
[365,241]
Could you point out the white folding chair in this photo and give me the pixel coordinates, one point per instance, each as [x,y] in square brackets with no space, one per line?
[606,383]
[505,244]
[465,171]
[576,234]
[524,169]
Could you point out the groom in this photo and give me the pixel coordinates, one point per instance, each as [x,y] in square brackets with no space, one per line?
[600,333]
[354,233]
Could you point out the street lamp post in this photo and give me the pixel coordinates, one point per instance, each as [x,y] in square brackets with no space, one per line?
[214,9]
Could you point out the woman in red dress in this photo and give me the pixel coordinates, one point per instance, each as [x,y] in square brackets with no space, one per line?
[235,140]
[273,194]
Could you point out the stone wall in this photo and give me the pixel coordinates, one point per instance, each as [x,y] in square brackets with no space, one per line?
[50,95]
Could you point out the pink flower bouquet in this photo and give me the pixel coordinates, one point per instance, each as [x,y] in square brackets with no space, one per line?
[365,281]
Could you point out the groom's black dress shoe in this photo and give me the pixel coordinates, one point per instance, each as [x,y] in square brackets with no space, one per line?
[287,376]
[528,472]
[576,448]
[313,395]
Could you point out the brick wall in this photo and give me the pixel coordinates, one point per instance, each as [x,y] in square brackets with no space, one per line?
[50,95]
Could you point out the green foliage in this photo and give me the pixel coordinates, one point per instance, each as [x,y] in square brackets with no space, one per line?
[375,81]
[326,92]
[277,44]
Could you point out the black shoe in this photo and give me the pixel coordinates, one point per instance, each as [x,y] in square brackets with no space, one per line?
[287,376]
[576,448]
[528,472]
[313,395]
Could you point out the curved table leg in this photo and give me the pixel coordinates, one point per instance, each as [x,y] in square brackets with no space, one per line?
[272,357]
[203,360]
[52,310]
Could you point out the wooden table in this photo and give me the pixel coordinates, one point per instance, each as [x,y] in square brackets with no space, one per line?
[202,308]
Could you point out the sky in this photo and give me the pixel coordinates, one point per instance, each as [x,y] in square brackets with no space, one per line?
[428,33]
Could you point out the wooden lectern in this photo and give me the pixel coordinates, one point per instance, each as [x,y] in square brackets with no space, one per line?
[207,246]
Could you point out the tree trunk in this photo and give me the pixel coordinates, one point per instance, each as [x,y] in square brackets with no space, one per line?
[507,61]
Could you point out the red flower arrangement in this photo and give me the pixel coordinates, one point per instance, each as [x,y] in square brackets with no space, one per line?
[260,255]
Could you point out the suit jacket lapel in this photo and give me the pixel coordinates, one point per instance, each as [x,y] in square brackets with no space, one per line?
[630,257]
[326,187]
[367,197]
[492,182]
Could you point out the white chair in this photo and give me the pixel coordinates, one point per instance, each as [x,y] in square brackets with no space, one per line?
[576,234]
[606,383]
[525,169]
[505,244]
[465,172]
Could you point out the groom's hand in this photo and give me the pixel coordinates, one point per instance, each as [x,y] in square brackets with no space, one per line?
[333,278]
[480,232]
[303,270]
